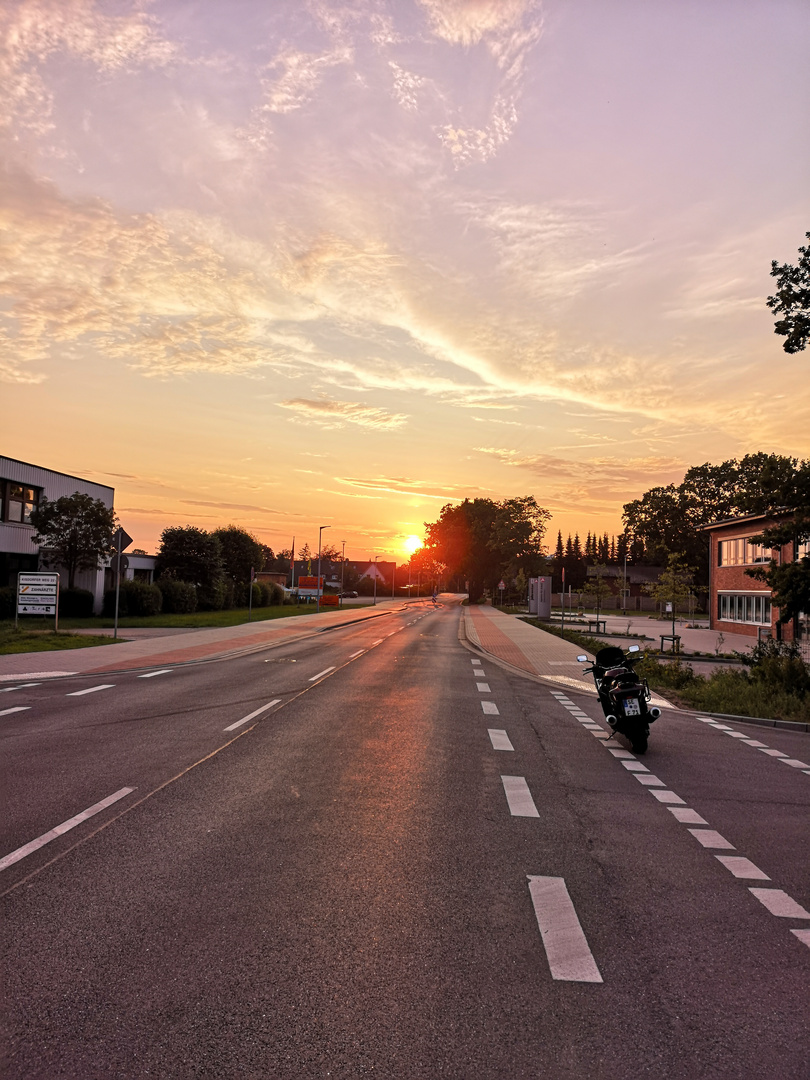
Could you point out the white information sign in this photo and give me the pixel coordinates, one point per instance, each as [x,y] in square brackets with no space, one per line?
[37,594]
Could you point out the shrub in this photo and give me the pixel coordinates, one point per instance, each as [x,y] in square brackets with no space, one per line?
[212,597]
[179,597]
[76,603]
[778,664]
[277,595]
[240,594]
[267,594]
[134,598]
[8,596]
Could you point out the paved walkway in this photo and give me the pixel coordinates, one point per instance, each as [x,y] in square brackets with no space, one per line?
[527,648]
[183,647]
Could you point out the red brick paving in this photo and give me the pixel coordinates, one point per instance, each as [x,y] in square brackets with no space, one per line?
[496,642]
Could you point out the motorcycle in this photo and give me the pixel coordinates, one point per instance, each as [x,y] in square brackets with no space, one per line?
[624,697]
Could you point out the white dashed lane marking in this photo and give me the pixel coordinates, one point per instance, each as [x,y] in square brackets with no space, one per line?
[59,830]
[258,712]
[490,708]
[22,686]
[356,654]
[742,868]
[152,674]
[711,839]
[17,708]
[499,739]
[321,674]
[518,796]
[763,748]
[780,904]
[91,690]
[483,688]
[569,957]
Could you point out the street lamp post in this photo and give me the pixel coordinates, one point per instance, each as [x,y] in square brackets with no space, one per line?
[375,579]
[318,582]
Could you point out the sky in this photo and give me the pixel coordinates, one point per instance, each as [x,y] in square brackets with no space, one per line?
[297,263]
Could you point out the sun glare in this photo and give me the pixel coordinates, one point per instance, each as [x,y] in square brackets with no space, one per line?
[412,544]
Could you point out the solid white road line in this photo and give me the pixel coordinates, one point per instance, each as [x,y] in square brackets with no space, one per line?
[490,708]
[66,826]
[779,903]
[356,654]
[567,952]
[742,868]
[152,674]
[22,686]
[91,690]
[483,687]
[711,839]
[499,739]
[17,708]
[258,712]
[521,803]
[321,674]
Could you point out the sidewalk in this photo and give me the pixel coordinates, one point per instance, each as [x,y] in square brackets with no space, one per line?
[516,643]
[184,646]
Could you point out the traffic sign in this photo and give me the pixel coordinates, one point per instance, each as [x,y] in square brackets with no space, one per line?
[121,540]
[38,594]
[119,563]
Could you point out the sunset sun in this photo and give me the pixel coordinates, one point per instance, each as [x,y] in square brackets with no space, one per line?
[412,544]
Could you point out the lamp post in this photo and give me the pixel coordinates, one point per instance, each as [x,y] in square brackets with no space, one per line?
[342,570]
[375,579]
[318,582]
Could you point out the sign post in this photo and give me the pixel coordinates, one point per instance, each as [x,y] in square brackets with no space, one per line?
[38,594]
[121,540]
[501,586]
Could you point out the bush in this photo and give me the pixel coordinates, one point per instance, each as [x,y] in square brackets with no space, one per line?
[179,597]
[76,603]
[8,596]
[266,591]
[778,664]
[277,595]
[135,598]
[212,597]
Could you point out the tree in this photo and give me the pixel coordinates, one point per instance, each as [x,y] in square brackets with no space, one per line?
[76,530]
[190,554]
[304,553]
[598,588]
[241,552]
[331,552]
[483,540]
[675,585]
[792,300]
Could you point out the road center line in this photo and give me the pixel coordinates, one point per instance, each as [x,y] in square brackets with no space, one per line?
[321,674]
[356,654]
[490,708]
[569,957]
[17,708]
[22,686]
[59,830]
[91,690]
[258,712]
[518,796]
[483,688]
[152,674]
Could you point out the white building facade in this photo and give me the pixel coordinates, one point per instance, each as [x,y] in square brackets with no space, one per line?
[22,486]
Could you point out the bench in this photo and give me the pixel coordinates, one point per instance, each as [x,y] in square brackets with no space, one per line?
[676,642]
[597,623]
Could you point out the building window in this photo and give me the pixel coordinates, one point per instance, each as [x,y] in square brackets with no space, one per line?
[17,502]
[752,608]
[741,552]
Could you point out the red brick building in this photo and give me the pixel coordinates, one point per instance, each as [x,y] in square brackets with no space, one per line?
[738,603]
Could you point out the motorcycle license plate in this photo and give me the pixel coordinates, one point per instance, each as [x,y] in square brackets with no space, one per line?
[632,707]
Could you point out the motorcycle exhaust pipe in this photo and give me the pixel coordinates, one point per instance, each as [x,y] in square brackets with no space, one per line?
[612,720]
[654,713]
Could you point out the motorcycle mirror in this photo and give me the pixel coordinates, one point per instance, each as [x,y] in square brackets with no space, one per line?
[634,648]
[582,659]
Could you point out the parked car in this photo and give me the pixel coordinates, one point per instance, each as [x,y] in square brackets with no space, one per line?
[348,595]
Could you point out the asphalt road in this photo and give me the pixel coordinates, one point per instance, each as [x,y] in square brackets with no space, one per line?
[353,881]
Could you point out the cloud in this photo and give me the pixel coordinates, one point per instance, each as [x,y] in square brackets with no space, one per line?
[328,413]
[293,77]
[467,22]
[399,485]
[32,31]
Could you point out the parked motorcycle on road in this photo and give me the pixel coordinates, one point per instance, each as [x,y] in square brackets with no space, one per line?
[624,697]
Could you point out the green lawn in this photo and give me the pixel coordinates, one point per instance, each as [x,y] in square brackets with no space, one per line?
[26,640]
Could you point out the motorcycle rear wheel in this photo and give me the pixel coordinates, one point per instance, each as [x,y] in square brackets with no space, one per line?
[639,744]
